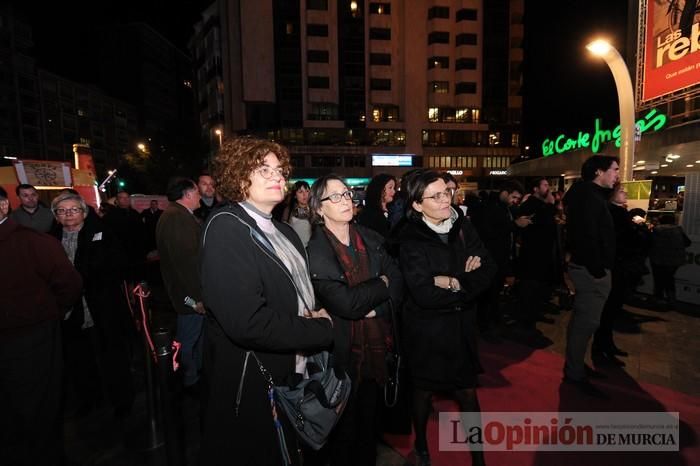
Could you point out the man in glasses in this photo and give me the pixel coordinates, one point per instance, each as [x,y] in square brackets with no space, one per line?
[37,284]
[32,213]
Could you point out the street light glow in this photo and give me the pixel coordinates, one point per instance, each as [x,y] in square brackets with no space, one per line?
[599,47]
[141,146]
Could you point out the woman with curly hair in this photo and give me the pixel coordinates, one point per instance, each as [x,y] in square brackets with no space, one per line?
[258,292]
[380,193]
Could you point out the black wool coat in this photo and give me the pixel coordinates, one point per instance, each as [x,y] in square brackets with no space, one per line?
[496,228]
[102,263]
[346,303]
[439,324]
[374,218]
[538,251]
[253,306]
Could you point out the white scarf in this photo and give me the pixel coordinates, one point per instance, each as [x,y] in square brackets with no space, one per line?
[445,226]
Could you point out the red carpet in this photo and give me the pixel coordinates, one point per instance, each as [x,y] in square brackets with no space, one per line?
[520,379]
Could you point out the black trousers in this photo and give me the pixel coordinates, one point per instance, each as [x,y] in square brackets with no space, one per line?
[619,291]
[96,362]
[31,371]
[664,281]
[488,312]
[532,297]
[353,442]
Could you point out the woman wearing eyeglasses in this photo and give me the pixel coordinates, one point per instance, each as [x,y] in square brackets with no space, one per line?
[97,327]
[256,287]
[355,279]
[445,267]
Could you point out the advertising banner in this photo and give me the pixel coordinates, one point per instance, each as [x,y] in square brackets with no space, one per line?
[43,173]
[672,47]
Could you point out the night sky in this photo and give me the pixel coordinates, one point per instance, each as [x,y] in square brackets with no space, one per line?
[564,87]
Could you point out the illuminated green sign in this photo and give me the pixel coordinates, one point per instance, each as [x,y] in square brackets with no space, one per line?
[652,121]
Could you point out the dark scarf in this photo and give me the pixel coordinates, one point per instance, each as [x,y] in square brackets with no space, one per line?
[367,336]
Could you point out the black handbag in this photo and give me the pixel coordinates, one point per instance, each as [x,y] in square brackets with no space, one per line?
[314,405]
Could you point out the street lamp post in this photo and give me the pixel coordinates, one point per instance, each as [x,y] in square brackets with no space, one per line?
[625,96]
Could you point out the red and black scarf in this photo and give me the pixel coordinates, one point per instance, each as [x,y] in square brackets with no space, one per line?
[367,337]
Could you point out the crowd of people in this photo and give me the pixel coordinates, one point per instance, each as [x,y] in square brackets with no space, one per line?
[249,273]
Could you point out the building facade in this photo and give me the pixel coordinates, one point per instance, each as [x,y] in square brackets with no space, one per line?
[340,82]
[43,114]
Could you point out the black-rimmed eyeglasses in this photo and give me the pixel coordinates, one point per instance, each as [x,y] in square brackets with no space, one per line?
[336,197]
[72,211]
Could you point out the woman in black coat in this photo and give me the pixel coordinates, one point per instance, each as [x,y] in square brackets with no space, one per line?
[380,193]
[445,267]
[97,330]
[251,294]
[355,279]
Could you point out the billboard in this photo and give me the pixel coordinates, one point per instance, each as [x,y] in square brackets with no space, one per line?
[672,47]
[392,160]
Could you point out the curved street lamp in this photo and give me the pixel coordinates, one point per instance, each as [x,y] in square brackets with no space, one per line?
[625,97]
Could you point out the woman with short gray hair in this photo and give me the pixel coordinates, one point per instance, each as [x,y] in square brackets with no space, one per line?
[95,330]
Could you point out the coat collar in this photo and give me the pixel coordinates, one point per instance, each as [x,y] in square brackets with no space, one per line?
[417,230]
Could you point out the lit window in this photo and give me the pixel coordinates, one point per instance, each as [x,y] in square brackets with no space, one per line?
[376,115]
[433,114]
[439,87]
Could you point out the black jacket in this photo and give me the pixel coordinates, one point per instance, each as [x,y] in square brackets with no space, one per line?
[102,263]
[374,218]
[253,306]
[496,229]
[347,303]
[178,236]
[203,211]
[131,232]
[538,250]
[589,228]
[439,325]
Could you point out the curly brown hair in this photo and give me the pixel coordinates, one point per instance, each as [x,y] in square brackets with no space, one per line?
[238,158]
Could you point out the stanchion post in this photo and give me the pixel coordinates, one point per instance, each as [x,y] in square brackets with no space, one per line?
[155,424]
[172,425]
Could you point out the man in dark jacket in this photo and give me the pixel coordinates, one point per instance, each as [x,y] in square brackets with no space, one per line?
[591,242]
[32,213]
[496,228]
[126,223]
[178,236]
[537,261]
[207,193]
[150,219]
[37,284]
